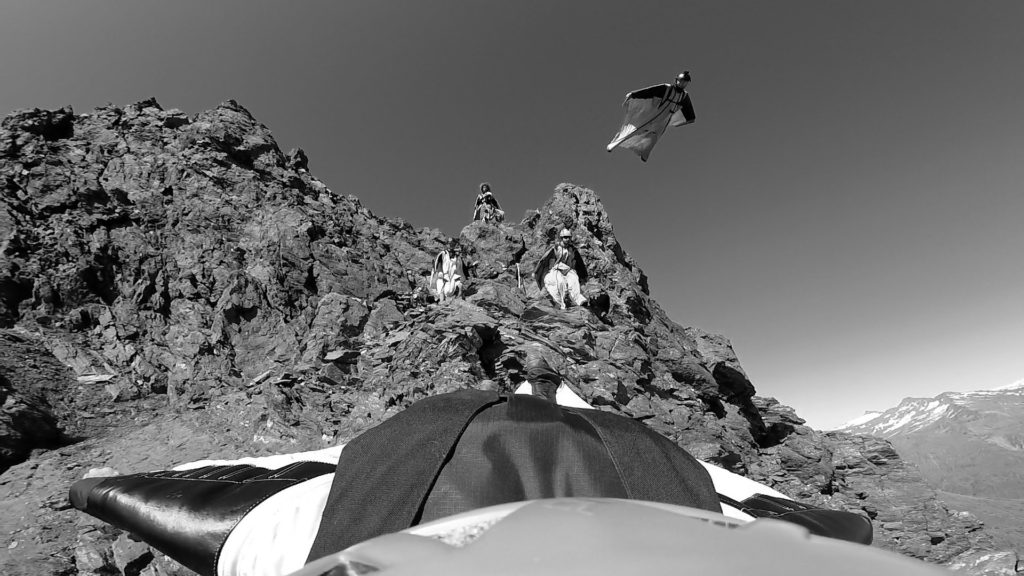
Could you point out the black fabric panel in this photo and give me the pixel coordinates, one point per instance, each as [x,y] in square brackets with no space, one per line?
[688,109]
[831,523]
[651,466]
[722,498]
[188,514]
[765,505]
[656,91]
[525,449]
[384,474]
[415,467]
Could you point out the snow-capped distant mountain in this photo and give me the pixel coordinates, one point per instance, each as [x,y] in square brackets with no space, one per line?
[866,417]
[917,413]
[970,443]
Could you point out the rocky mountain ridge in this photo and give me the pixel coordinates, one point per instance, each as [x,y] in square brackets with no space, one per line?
[176,287]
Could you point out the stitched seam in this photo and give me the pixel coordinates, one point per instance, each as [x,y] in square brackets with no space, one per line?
[293,481]
[241,471]
[451,452]
[284,470]
[611,454]
[220,548]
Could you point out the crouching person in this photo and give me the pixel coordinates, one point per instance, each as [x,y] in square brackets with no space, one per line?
[561,271]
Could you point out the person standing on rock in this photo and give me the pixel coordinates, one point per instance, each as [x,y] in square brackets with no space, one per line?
[561,270]
[446,280]
[487,208]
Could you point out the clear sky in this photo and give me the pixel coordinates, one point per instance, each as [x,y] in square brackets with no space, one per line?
[848,208]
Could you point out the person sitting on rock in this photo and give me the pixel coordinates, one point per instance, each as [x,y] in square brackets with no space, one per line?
[487,208]
[561,270]
[446,279]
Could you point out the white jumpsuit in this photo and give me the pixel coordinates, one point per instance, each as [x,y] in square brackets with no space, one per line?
[562,280]
[447,280]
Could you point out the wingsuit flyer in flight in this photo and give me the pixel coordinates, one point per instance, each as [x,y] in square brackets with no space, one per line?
[649,112]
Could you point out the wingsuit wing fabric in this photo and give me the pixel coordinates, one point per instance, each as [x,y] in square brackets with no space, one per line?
[463,450]
[648,113]
[260,516]
[188,514]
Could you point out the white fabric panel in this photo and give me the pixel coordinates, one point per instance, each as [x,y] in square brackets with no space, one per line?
[563,395]
[737,487]
[327,455]
[276,536]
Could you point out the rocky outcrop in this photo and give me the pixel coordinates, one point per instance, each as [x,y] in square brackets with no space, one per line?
[205,295]
[27,417]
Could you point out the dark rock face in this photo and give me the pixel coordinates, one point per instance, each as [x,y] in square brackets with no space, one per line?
[214,299]
[27,416]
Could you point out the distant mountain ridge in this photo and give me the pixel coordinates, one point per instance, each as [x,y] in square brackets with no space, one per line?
[969,443]
[916,413]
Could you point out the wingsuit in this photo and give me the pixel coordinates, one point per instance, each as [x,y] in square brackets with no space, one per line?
[446,279]
[649,112]
[561,270]
[443,455]
[469,449]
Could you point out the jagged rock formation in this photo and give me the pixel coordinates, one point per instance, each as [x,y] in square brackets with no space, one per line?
[209,297]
